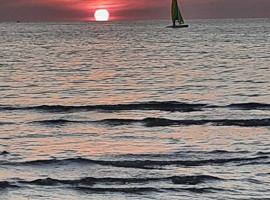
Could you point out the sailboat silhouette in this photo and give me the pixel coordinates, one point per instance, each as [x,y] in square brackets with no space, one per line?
[177,16]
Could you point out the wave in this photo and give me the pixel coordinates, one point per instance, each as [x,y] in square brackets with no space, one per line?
[120,184]
[153,122]
[133,190]
[263,153]
[59,122]
[194,180]
[4,153]
[142,164]
[172,106]
[90,181]
[150,164]
[255,163]
[249,106]
[185,153]
[157,122]
[226,152]
[115,189]
[5,123]
[6,184]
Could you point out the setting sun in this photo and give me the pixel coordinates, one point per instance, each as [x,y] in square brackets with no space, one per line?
[102,15]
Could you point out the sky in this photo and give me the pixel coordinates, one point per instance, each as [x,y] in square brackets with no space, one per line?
[83,10]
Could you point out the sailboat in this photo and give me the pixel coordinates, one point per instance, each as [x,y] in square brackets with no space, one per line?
[177,16]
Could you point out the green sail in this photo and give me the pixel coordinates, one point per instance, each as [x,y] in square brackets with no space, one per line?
[176,14]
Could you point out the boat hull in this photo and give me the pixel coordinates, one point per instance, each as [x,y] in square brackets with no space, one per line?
[179,26]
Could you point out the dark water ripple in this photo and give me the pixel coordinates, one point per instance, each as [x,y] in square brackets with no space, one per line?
[150,189]
[250,106]
[6,123]
[157,122]
[134,190]
[6,184]
[88,183]
[4,153]
[171,106]
[185,180]
[142,164]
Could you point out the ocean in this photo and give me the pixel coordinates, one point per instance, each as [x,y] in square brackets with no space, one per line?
[134,110]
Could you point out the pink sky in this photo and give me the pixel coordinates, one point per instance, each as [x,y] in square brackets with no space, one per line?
[82,10]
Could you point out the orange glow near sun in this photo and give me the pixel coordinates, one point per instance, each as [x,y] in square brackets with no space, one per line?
[102,15]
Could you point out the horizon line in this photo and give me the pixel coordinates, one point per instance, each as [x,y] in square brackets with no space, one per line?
[124,20]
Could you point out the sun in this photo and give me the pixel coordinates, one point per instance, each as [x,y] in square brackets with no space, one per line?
[102,15]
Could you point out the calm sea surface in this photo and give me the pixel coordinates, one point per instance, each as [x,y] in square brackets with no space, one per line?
[135,110]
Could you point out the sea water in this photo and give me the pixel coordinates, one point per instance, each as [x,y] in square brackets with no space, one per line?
[134,110]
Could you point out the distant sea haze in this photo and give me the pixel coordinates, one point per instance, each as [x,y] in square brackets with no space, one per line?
[125,110]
